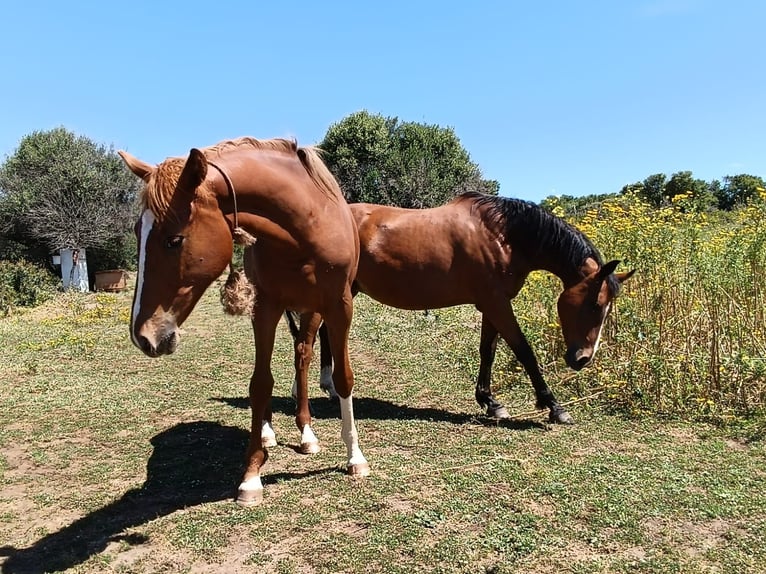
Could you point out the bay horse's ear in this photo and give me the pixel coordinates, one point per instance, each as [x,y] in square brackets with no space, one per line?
[194,172]
[622,277]
[140,168]
[607,269]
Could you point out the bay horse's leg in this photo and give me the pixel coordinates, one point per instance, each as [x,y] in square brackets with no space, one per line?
[338,326]
[304,350]
[487,347]
[501,314]
[265,319]
[325,364]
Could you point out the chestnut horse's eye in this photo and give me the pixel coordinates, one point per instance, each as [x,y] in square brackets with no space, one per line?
[174,241]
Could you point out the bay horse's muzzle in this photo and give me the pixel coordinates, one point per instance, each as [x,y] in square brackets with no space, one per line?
[577,358]
[165,345]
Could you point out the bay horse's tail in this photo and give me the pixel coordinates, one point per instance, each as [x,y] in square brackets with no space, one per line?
[293,319]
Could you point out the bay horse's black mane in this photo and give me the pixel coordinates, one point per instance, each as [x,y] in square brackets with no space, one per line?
[538,231]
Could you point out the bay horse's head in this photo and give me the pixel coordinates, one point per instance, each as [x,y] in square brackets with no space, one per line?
[184,244]
[583,308]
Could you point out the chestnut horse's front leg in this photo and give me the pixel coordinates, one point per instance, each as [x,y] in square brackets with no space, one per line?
[338,323]
[265,319]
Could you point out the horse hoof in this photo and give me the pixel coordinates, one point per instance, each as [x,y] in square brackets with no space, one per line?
[498,413]
[248,498]
[331,394]
[268,436]
[358,470]
[561,418]
[310,447]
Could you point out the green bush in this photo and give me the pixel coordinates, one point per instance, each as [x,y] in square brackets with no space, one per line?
[23,284]
[117,253]
[11,250]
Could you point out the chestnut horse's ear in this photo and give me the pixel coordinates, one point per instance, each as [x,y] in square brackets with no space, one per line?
[194,172]
[140,168]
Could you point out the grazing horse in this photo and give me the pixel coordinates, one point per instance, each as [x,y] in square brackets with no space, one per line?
[283,201]
[479,249]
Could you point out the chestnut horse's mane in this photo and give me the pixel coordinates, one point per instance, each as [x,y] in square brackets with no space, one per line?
[161,185]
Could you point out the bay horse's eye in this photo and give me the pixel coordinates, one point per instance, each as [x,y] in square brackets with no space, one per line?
[174,241]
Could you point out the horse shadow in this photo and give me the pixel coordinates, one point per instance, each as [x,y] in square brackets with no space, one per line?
[196,463]
[191,464]
[376,409]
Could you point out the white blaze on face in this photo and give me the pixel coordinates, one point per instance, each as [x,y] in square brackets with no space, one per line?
[147,221]
[601,328]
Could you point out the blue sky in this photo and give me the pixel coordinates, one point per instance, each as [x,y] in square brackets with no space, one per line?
[548,97]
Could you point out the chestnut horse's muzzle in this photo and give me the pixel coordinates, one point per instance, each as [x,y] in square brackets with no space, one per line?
[165,345]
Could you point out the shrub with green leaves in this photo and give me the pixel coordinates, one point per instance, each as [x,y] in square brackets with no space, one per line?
[23,284]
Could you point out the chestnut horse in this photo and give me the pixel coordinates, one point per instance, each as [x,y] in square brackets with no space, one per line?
[478,249]
[305,248]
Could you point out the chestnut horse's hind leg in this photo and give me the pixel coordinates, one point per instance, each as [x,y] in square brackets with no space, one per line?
[487,348]
[304,345]
[502,317]
[325,362]
[265,320]
[325,354]
[338,326]
[268,436]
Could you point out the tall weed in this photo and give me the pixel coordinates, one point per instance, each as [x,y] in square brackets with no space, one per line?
[688,334]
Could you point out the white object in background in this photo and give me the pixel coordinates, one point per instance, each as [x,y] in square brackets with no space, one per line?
[74,269]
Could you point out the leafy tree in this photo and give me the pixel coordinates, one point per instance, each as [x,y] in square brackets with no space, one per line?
[59,190]
[737,190]
[652,189]
[571,206]
[695,194]
[382,160]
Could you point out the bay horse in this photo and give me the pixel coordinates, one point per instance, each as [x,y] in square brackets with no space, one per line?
[479,249]
[283,201]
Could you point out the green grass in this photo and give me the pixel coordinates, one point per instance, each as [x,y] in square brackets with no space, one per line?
[110,461]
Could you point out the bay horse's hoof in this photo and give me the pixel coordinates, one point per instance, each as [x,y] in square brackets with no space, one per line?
[561,417]
[248,498]
[499,412]
[358,470]
[310,447]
